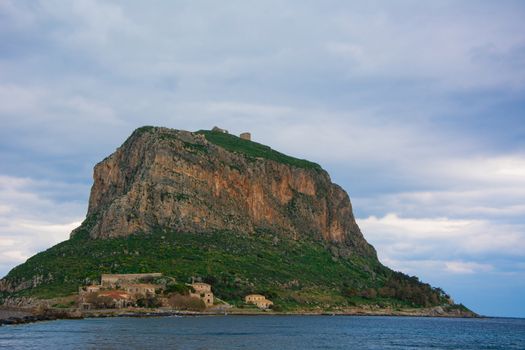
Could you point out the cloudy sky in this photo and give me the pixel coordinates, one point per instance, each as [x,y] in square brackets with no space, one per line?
[416,108]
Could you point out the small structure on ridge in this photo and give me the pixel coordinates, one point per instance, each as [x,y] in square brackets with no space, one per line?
[217,129]
[246,136]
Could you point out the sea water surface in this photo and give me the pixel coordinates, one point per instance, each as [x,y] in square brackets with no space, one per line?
[268,332]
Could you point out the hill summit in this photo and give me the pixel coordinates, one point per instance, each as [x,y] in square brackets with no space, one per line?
[233,212]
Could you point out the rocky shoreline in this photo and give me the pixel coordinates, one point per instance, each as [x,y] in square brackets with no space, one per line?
[13,316]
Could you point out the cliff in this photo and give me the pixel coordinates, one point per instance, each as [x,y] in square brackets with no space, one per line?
[181,181]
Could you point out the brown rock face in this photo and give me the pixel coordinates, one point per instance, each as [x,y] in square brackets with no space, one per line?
[177,180]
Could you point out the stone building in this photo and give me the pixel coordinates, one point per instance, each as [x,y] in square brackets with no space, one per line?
[259,300]
[94,288]
[203,292]
[120,298]
[113,280]
[140,289]
[84,292]
[123,289]
[246,136]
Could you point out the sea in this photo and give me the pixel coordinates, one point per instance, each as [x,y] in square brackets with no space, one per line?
[268,332]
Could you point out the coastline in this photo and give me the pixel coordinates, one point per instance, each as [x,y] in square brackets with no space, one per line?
[14,316]
[240,312]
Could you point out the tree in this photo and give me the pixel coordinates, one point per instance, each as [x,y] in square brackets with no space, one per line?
[369,293]
[100,302]
[186,302]
[149,301]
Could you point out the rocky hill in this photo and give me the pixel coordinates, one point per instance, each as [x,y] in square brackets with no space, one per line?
[181,181]
[234,212]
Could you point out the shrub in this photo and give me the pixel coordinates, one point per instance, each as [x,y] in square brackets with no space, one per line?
[350,292]
[276,308]
[100,302]
[177,288]
[149,301]
[186,302]
[369,293]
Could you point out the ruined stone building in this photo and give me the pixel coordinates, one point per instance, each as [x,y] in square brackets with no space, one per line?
[259,300]
[89,289]
[140,289]
[203,292]
[123,289]
[120,298]
[217,129]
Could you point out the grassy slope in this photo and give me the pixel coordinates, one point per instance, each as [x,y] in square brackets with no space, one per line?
[253,149]
[223,255]
[292,273]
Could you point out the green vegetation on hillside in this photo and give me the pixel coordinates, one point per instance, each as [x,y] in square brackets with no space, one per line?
[294,274]
[253,149]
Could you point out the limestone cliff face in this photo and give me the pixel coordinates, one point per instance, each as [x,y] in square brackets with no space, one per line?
[171,179]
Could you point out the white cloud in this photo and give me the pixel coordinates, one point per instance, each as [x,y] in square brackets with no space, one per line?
[447,44]
[5,242]
[467,267]
[455,48]
[352,51]
[250,109]
[445,236]
[495,199]
[45,121]
[19,16]
[440,244]
[34,222]
[505,170]
[93,24]
[434,267]
[19,100]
